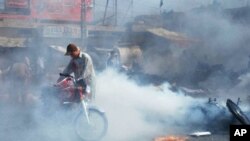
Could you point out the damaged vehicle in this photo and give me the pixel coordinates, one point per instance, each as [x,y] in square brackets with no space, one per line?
[237,112]
[218,117]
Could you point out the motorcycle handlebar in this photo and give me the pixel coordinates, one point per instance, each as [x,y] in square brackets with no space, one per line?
[80,81]
[65,75]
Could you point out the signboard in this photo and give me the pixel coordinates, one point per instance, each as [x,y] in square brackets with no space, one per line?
[51,10]
[17,7]
[62,31]
[17,4]
[65,10]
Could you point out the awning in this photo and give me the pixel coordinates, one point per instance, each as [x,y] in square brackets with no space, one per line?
[164,33]
[103,49]
[58,48]
[12,42]
[169,35]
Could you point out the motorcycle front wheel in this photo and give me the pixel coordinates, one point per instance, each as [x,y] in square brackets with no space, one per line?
[93,130]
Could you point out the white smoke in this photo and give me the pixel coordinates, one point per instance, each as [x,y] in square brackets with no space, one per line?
[135,111]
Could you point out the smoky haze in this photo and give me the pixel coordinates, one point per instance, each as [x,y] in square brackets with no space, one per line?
[217,59]
[127,10]
[136,112]
[225,43]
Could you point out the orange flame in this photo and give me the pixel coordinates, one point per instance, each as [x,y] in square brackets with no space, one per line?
[171,138]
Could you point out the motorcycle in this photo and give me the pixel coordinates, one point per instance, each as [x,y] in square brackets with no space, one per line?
[237,112]
[90,122]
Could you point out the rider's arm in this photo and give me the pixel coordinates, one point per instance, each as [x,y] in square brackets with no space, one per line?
[67,70]
[89,69]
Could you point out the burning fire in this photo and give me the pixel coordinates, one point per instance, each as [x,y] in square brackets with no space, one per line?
[171,138]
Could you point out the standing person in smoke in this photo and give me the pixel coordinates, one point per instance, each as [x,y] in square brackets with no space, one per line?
[113,60]
[20,77]
[82,67]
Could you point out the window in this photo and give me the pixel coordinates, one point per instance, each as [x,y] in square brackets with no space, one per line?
[69,3]
[15,6]
[2,5]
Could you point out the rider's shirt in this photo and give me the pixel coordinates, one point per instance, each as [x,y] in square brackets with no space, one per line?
[82,67]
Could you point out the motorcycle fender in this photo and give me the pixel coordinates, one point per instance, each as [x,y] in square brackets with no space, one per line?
[96,108]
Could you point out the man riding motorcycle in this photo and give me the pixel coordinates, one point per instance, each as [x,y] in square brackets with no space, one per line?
[71,92]
[82,67]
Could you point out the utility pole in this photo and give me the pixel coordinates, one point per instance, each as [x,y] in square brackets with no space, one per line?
[83,24]
[132,10]
[116,13]
[81,20]
[105,12]
[93,8]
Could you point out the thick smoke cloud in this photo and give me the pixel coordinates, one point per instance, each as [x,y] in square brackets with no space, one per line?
[225,43]
[134,113]
[217,59]
[144,112]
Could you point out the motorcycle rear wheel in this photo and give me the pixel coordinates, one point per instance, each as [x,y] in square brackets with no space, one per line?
[93,131]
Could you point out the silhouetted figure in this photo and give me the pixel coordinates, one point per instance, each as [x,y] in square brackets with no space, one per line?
[113,60]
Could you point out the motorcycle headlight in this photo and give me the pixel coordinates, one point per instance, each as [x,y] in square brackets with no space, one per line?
[88,90]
